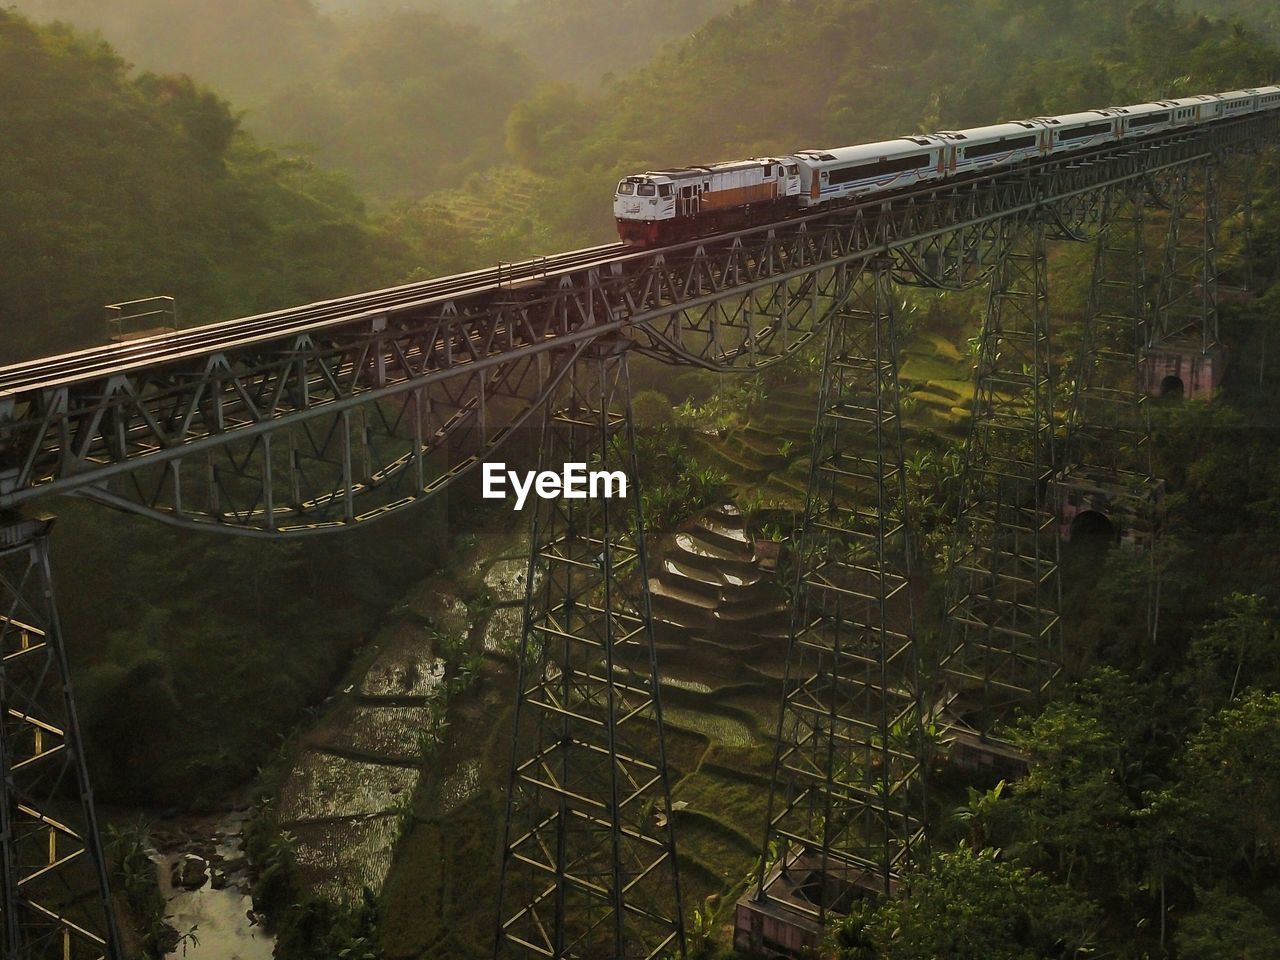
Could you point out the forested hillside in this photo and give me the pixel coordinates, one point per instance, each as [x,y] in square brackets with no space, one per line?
[406,98]
[404,103]
[1263,15]
[410,104]
[111,187]
[238,46]
[120,186]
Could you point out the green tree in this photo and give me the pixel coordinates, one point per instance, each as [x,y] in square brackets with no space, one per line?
[1237,650]
[1227,927]
[1231,783]
[971,905]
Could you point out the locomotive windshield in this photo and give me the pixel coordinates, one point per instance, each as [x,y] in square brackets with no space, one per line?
[626,189]
[647,190]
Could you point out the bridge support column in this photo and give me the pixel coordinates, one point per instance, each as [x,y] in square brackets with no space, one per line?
[1002,634]
[56,904]
[846,807]
[1187,359]
[1107,455]
[589,863]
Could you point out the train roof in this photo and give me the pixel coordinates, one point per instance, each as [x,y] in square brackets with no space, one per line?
[725,167]
[1139,109]
[868,151]
[1071,119]
[993,131]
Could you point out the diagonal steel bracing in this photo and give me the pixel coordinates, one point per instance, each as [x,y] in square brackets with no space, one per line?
[589,867]
[846,803]
[55,904]
[1002,633]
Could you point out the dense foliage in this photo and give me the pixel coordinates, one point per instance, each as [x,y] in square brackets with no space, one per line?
[405,98]
[1260,14]
[120,186]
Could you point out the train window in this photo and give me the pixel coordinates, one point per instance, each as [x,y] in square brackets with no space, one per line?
[880,168]
[793,169]
[1148,120]
[1003,145]
[664,190]
[1079,133]
[626,189]
[647,190]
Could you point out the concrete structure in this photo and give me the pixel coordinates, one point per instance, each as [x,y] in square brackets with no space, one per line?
[1185,370]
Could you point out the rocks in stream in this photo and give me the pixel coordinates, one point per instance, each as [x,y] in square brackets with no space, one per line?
[445,611]
[189,872]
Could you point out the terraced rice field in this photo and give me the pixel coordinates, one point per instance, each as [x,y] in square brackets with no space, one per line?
[937,388]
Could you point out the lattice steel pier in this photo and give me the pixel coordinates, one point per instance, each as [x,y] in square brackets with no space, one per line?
[55,900]
[1002,633]
[589,867]
[1107,467]
[846,810]
[1186,355]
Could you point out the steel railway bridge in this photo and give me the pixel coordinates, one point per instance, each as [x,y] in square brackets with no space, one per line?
[316,419]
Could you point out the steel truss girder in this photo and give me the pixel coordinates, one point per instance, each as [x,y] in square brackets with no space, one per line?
[1002,636]
[54,899]
[847,795]
[589,865]
[349,466]
[736,302]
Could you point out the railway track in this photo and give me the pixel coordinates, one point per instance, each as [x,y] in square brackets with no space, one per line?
[148,351]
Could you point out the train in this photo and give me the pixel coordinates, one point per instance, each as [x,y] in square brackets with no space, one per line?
[668,206]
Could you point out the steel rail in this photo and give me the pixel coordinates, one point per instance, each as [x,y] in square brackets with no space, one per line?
[109,359]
